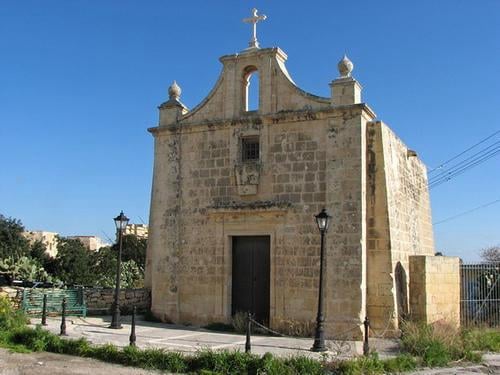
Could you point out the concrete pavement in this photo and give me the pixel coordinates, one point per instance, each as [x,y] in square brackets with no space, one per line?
[189,340]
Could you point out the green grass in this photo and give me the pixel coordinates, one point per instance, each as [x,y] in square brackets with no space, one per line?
[441,343]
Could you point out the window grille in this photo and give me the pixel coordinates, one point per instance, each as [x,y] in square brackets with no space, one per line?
[250,149]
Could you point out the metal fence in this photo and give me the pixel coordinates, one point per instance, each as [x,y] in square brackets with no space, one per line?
[480,294]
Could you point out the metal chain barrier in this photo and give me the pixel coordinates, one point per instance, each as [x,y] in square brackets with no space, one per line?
[384,332]
[337,347]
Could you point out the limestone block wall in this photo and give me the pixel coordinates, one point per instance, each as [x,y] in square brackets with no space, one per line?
[313,152]
[435,288]
[14,294]
[308,161]
[399,222]
[99,300]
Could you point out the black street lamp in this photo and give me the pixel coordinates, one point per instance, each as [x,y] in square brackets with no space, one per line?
[323,221]
[121,222]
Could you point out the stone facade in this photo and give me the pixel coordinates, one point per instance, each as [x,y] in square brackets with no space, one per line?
[93,243]
[435,288]
[138,230]
[49,239]
[314,153]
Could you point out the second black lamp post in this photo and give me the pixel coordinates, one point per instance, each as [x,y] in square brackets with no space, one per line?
[121,222]
[323,221]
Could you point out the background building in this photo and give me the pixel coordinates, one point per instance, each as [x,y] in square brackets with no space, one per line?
[93,243]
[138,230]
[49,239]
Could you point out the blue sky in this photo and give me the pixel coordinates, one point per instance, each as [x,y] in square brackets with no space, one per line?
[80,82]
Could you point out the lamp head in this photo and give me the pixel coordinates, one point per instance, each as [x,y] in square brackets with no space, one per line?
[323,220]
[121,221]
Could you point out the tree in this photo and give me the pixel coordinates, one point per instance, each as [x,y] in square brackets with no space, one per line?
[491,254]
[105,261]
[12,242]
[133,248]
[24,268]
[74,262]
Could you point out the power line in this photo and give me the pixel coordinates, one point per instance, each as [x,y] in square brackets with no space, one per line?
[467,212]
[463,152]
[463,168]
[459,164]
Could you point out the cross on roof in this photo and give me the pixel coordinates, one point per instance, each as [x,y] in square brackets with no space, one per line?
[253,20]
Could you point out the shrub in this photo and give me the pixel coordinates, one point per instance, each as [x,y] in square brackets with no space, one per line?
[10,319]
[270,365]
[401,363]
[482,339]
[439,343]
[304,365]
[239,322]
[162,360]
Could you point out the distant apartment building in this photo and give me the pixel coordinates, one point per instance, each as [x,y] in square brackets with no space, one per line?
[49,239]
[138,230]
[93,243]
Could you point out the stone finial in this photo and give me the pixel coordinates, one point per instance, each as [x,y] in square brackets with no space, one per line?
[174,91]
[345,67]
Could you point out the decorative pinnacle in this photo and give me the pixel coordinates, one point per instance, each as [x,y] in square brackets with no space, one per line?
[345,67]
[174,91]
[253,43]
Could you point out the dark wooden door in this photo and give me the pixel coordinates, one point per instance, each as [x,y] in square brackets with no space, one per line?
[251,280]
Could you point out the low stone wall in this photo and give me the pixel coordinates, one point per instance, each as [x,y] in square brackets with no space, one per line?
[15,294]
[435,288]
[99,300]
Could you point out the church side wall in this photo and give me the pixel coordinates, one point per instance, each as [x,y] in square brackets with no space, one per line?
[380,298]
[408,207]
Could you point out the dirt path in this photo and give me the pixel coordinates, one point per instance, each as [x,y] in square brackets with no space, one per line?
[58,364]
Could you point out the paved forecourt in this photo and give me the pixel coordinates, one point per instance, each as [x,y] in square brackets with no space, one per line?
[192,339]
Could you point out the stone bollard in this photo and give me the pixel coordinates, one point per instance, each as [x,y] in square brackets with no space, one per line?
[132,329]
[44,310]
[63,318]
[366,347]
[248,346]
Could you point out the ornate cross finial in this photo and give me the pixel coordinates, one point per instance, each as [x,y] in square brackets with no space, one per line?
[253,20]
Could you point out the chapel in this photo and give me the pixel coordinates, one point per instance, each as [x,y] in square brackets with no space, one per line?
[235,191]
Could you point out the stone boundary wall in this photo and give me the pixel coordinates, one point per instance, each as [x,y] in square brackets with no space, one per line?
[435,288]
[14,294]
[99,300]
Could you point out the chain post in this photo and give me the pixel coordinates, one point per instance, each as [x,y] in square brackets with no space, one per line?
[132,329]
[44,310]
[366,347]
[248,346]
[63,318]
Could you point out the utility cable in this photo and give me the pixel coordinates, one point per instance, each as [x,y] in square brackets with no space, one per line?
[477,154]
[463,168]
[467,212]
[463,152]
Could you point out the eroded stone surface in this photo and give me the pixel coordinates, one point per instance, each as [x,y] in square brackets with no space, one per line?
[314,153]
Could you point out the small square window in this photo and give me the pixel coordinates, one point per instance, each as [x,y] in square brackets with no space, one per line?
[250,149]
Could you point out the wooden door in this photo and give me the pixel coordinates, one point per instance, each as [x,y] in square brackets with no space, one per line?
[251,276]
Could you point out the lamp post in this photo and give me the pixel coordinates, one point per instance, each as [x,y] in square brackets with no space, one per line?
[323,221]
[121,222]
